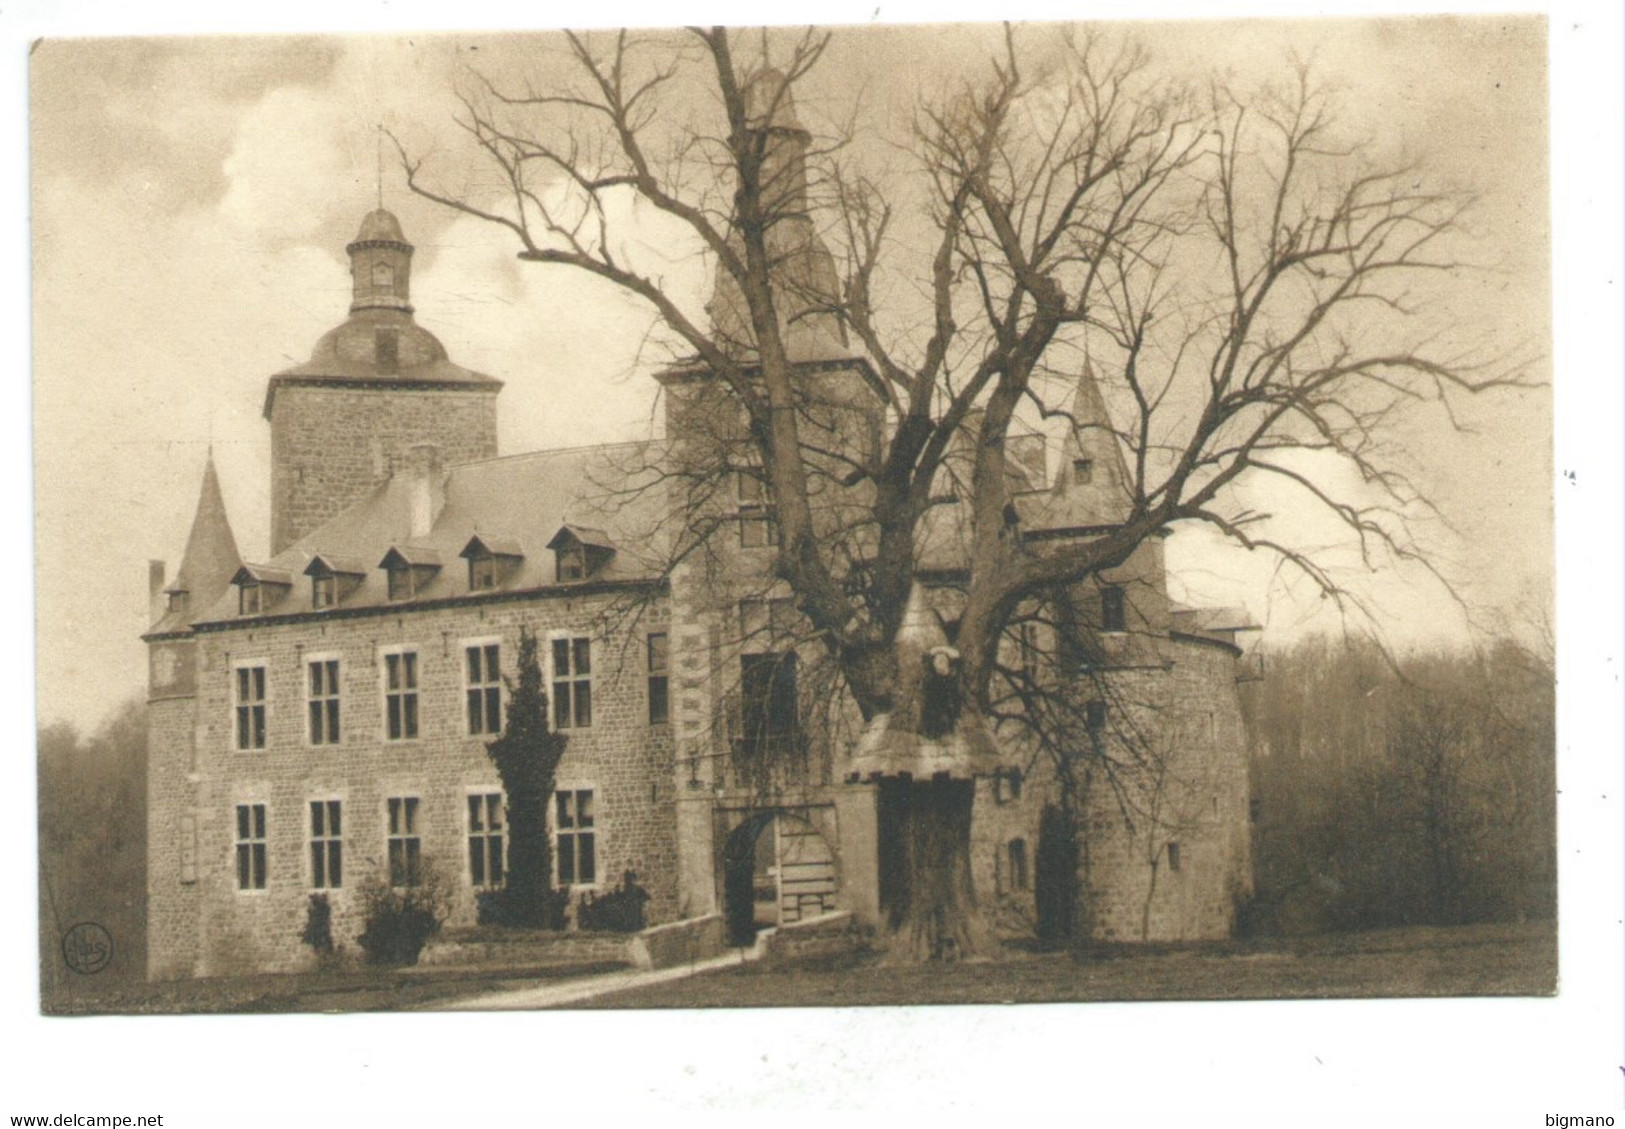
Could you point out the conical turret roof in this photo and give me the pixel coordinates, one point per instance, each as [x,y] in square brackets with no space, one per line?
[211,557]
[1092,486]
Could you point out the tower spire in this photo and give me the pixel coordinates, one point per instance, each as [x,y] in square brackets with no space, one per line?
[211,555]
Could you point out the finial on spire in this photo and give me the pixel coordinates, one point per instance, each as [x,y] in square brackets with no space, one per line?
[380,165]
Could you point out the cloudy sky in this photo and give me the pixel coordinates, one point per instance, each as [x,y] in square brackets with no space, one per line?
[190,212]
[192,199]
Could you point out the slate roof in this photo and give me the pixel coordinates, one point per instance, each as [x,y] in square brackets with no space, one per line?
[380,226]
[349,354]
[519,502]
[211,557]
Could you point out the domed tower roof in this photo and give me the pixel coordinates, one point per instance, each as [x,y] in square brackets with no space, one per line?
[379,226]
[379,342]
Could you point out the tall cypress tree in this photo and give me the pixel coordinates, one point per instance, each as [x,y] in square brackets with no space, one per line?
[527,758]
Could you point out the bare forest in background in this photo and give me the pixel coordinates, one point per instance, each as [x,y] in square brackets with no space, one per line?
[1416,791]
[93,846]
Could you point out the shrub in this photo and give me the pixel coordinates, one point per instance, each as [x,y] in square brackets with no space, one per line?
[400,920]
[619,911]
[318,931]
[547,910]
[526,757]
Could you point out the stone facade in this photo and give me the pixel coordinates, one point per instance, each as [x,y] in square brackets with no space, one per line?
[271,684]
[332,442]
[620,757]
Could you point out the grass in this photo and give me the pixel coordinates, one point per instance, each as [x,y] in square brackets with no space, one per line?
[1476,960]
[1485,960]
[361,989]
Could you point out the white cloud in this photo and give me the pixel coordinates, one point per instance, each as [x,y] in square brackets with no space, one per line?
[284,163]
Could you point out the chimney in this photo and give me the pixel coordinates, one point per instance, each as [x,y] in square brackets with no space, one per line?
[1025,453]
[155,590]
[425,487]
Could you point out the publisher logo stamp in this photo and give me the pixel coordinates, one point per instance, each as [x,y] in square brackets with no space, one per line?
[87,948]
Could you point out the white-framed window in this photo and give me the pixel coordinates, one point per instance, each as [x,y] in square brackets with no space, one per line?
[1113,610]
[570,562]
[326,844]
[250,599]
[658,660]
[322,688]
[405,845]
[1016,849]
[758,527]
[572,683]
[324,591]
[486,839]
[402,583]
[482,573]
[251,858]
[248,693]
[482,674]
[575,836]
[400,669]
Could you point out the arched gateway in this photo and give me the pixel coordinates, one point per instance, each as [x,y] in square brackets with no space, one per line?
[777,869]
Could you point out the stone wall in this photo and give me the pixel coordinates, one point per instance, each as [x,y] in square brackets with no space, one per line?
[330,445]
[172,891]
[626,762]
[1193,794]
[1171,768]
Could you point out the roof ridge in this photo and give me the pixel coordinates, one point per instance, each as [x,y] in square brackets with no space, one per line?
[543,453]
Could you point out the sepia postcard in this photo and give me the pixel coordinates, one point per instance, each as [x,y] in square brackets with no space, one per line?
[818,517]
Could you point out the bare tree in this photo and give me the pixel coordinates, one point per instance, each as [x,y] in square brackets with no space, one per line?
[1239,277]
[1402,792]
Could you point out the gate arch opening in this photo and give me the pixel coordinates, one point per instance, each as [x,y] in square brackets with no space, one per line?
[777,869]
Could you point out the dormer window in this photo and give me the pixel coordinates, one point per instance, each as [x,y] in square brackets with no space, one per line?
[401,586]
[410,570]
[1083,471]
[177,599]
[579,552]
[332,579]
[260,588]
[491,561]
[387,350]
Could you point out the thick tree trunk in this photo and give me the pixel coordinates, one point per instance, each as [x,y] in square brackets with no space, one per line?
[927,893]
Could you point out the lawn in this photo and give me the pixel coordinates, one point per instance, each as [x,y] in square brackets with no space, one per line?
[1485,960]
[1482,960]
[357,990]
